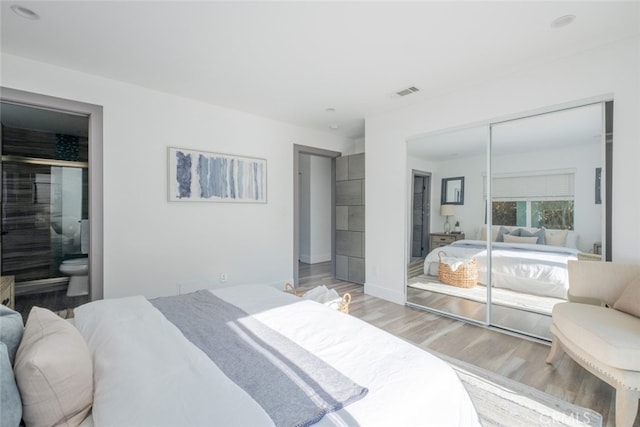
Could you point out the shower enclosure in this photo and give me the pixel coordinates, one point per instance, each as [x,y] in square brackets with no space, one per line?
[45,204]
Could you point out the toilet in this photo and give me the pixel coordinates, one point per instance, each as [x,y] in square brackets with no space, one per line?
[78,270]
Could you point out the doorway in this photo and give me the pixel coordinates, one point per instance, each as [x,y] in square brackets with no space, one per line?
[420,214]
[51,252]
[314,213]
[315,255]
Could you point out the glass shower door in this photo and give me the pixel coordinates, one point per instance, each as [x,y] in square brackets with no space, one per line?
[42,211]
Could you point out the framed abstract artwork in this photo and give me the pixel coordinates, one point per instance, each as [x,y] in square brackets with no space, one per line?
[201,176]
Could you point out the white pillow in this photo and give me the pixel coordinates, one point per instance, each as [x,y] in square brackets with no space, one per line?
[555,237]
[494,233]
[53,371]
[572,240]
[629,300]
[508,238]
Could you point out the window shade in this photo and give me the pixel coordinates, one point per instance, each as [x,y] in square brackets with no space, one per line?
[539,185]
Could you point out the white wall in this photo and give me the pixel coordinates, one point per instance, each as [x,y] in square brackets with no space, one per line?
[304,245]
[320,209]
[151,245]
[612,70]
[315,209]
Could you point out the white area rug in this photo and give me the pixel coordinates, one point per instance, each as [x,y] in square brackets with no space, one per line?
[506,403]
[499,296]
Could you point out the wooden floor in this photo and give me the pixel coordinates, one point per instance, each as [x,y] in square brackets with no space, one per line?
[515,358]
[526,322]
[54,301]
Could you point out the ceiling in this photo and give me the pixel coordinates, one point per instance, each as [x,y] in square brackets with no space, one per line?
[291,61]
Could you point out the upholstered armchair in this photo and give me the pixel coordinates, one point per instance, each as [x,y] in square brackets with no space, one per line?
[599,328]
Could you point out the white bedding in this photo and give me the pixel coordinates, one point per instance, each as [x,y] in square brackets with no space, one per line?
[147,374]
[533,269]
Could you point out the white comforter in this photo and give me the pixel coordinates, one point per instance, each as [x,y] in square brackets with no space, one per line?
[147,374]
[533,269]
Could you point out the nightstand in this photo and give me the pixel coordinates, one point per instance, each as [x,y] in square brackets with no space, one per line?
[7,291]
[437,240]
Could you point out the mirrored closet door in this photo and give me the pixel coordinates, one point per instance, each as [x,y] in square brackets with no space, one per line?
[546,208]
[540,183]
[457,162]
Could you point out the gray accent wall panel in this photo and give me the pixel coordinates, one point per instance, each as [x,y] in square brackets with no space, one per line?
[356,166]
[342,168]
[350,218]
[342,267]
[342,242]
[355,247]
[356,270]
[349,243]
[356,218]
[342,217]
[349,193]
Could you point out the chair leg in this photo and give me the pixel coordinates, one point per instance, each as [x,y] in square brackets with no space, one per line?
[626,407]
[555,353]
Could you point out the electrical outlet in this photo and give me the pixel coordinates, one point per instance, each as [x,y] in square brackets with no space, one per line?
[223,277]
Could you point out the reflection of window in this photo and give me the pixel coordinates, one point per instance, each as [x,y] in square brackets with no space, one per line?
[534,199]
[506,213]
[557,214]
[552,214]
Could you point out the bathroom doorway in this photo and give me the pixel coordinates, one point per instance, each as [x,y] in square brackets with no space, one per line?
[45,209]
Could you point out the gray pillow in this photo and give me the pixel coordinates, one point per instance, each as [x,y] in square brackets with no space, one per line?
[516,232]
[10,402]
[501,233]
[11,328]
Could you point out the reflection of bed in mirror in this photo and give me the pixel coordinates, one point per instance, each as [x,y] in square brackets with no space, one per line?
[535,269]
[526,273]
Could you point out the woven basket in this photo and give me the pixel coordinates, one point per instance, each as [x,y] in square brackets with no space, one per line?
[344,302]
[465,276]
[288,287]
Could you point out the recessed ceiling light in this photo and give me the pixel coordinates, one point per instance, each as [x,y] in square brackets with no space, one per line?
[333,126]
[563,21]
[24,12]
[330,110]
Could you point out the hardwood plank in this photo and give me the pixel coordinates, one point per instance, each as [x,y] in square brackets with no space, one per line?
[513,357]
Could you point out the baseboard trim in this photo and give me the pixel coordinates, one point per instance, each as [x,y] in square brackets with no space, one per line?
[315,259]
[384,293]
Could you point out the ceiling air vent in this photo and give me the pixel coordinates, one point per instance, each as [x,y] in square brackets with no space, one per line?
[407,91]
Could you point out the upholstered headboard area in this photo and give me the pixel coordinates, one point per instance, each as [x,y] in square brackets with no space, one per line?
[543,236]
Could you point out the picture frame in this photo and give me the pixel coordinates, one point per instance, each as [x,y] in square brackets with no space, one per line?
[452,192]
[203,176]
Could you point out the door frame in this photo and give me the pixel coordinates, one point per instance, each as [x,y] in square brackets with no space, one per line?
[303,149]
[96,203]
[426,215]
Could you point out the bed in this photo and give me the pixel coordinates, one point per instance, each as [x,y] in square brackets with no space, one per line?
[536,269]
[145,372]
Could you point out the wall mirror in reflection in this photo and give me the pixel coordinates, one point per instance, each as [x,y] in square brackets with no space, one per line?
[452,191]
